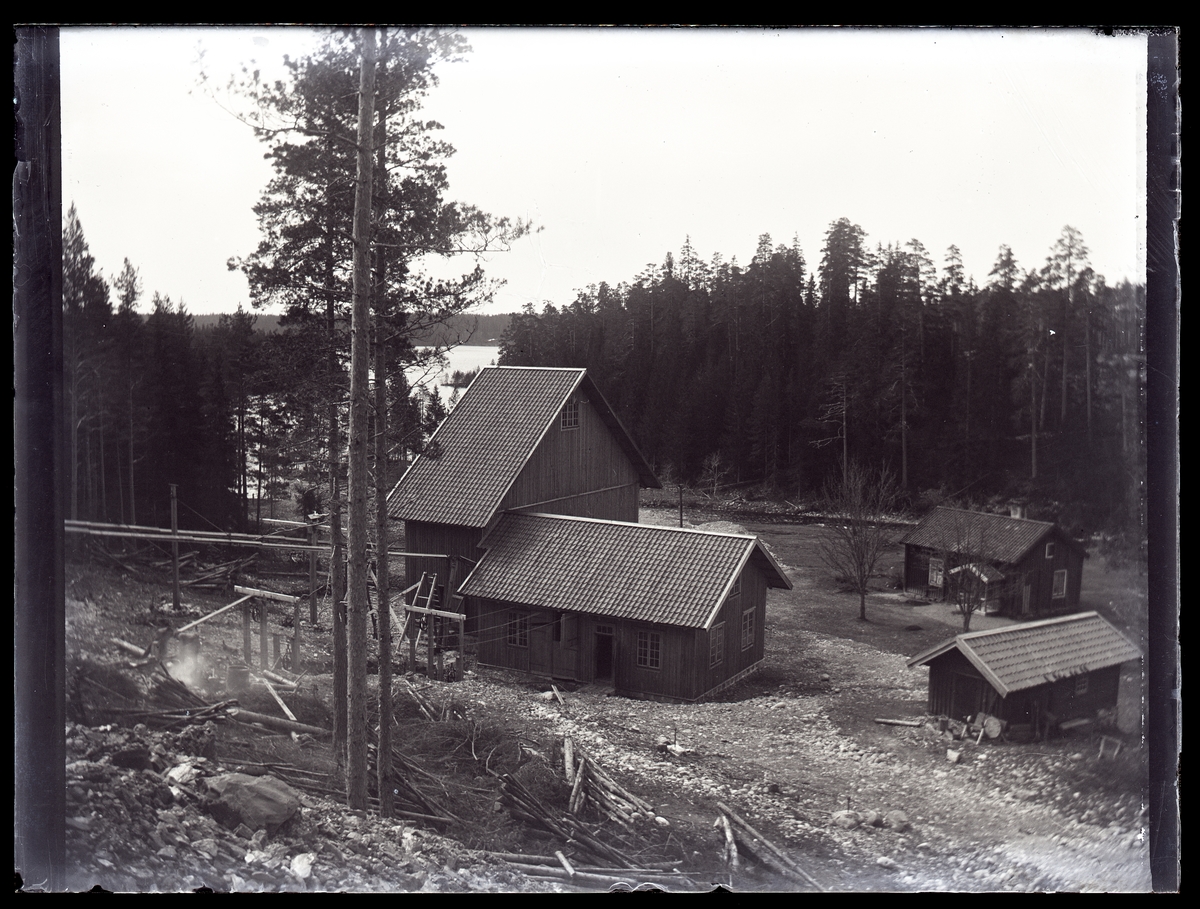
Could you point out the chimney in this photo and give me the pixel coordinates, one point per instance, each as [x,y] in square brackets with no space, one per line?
[1015,510]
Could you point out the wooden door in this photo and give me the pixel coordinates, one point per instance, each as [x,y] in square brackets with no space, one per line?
[541,648]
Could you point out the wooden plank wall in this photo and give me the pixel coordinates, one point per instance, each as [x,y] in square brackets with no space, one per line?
[573,462]
[443,539]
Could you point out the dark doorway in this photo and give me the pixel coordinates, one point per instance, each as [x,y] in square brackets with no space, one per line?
[604,652]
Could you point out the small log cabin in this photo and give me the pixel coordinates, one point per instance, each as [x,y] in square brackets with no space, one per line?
[1039,673]
[656,612]
[519,439]
[1030,569]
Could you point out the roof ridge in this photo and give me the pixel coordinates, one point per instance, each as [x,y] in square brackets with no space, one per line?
[663,527]
[552,368]
[1021,626]
[992,514]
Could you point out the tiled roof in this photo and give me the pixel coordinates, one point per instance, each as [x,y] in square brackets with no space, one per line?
[487,439]
[1023,656]
[974,533]
[646,572]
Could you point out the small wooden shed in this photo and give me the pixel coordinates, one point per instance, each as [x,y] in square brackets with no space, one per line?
[1029,568]
[656,612]
[1038,673]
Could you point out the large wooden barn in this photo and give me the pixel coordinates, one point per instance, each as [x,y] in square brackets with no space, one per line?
[519,439]
[526,503]
[1022,568]
[1039,674]
[658,612]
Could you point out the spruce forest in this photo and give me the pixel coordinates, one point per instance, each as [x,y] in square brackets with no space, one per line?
[778,373]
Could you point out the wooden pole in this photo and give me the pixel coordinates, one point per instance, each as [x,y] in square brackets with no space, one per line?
[312,573]
[262,634]
[174,548]
[246,631]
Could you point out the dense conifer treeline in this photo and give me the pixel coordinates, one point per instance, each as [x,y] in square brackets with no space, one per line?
[776,373]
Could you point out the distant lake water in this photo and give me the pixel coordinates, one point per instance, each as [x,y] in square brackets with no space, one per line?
[465,358]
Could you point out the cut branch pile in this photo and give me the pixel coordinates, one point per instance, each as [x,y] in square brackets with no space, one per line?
[525,806]
[434,712]
[219,577]
[171,704]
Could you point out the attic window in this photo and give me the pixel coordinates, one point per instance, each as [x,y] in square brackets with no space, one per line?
[736,589]
[1049,550]
[570,415]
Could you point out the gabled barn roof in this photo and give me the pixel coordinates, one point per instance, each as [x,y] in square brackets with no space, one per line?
[993,536]
[487,439]
[1027,655]
[644,572]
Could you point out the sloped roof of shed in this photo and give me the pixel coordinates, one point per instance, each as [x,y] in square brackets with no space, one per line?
[487,439]
[645,572]
[1027,655]
[992,536]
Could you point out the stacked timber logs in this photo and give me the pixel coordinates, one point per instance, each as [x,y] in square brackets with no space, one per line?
[740,835]
[558,869]
[591,785]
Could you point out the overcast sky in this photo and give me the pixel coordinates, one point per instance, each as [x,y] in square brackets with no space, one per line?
[620,144]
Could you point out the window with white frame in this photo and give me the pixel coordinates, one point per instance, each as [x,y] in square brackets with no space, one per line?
[716,645]
[736,589]
[1049,550]
[649,650]
[518,629]
[570,414]
[1060,584]
[747,629]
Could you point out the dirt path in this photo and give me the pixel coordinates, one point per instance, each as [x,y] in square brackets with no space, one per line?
[798,742]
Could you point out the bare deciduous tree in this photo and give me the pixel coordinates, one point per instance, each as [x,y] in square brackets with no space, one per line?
[856,534]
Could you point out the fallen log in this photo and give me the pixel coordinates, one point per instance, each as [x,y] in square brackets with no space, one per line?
[885,721]
[731,852]
[274,722]
[788,863]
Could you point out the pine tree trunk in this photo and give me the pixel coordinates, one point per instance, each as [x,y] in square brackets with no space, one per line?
[360,339]
[382,573]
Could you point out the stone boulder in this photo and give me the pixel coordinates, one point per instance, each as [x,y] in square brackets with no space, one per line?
[259,802]
[896,820]
[847,819]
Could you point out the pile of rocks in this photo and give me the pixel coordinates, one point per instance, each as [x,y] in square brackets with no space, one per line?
[148,811]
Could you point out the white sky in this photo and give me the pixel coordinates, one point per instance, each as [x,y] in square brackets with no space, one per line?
[621,143]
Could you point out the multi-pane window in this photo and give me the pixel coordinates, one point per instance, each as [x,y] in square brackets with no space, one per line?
[747,629]
[736,589]
[1060,584]
[716,645]
[649,649]
[570,415]
[518,629]
[1081,685]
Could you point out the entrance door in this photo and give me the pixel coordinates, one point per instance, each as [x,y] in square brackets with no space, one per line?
[604,653]
[540,648]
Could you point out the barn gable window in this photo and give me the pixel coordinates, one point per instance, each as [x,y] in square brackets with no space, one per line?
[747,629]
[1060,584]
[570,415]
[736,589]
[716,645]
[1049,550]
[649,650]
[518,629]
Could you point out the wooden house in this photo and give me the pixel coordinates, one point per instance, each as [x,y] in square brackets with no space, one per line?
[519,439]
[657,612]
[1041,674]
[1019,567]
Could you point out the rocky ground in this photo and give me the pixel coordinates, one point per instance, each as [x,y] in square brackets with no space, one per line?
[795,751]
